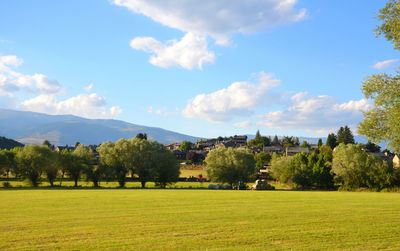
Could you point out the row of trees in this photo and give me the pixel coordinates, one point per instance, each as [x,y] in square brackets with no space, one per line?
[148,160]
[347,166]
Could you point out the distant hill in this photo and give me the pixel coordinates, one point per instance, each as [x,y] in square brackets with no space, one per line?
[31,127]
[6,143]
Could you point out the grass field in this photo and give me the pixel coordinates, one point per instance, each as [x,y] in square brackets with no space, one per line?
[154,219]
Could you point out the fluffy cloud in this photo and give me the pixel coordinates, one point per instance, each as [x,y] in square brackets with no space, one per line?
[319,114]
[46,93]
[219,19]
[190,52]
[244,124]
[85,105]
[201,18]
[384,64]
[239,99]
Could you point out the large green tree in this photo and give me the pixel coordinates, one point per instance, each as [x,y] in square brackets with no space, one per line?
[70,164]
[230,165]
[166,169]
[381,122]
[118,157]
[34,160]
[144,158]
[354,168]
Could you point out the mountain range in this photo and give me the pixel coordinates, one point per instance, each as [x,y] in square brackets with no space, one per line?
[33,128]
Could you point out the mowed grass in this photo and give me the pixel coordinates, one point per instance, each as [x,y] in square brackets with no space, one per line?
[156,219]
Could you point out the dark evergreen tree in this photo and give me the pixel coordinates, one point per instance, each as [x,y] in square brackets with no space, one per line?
[258,135]
[275,141]
[331,141]
[142,136]
[345,135]
[320,143]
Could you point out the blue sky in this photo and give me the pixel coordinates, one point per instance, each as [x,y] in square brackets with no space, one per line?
[203,68]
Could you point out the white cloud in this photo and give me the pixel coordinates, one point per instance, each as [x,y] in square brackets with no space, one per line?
[202,18]
[190,52]
[237,100]
[385,64]
[162,111]
[46,92]
[89,87]
[319,114]
[244,124]
[218,19]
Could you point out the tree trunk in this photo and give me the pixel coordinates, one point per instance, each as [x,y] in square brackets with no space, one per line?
[143,184]
[76,182]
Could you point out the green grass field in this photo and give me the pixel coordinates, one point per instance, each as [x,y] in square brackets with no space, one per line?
[155,219]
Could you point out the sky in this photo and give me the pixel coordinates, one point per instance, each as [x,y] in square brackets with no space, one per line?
[201,67]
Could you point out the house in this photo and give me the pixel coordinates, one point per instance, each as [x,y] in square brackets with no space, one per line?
[240,139]
[172,146]
[252,150]
[291,151]
[226,143]
[278,149]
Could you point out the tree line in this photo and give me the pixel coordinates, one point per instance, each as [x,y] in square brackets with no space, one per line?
[145,159]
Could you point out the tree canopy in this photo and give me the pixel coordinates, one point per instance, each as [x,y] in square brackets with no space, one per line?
[344,135]
[381,121]
[230,165]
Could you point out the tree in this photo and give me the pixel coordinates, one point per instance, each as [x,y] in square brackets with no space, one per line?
[371,147]
[7,161]
[70,164]
[166,168]
[186,146]
[47,143]
[305,144]
[275,141]
[381,121]
[144,158]
[262,159]
[320,143]
[390,27]
[142,136]
[344,135]
[33,161]
[86,159]
[258,134]
[331,141]
[288,141]
[230,165]
[354,168]
[118,157]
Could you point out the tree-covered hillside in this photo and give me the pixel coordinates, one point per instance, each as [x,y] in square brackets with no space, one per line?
[6,143]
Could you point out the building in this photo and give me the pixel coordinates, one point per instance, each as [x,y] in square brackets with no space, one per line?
[278,149]
[240,139]
[291,151]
